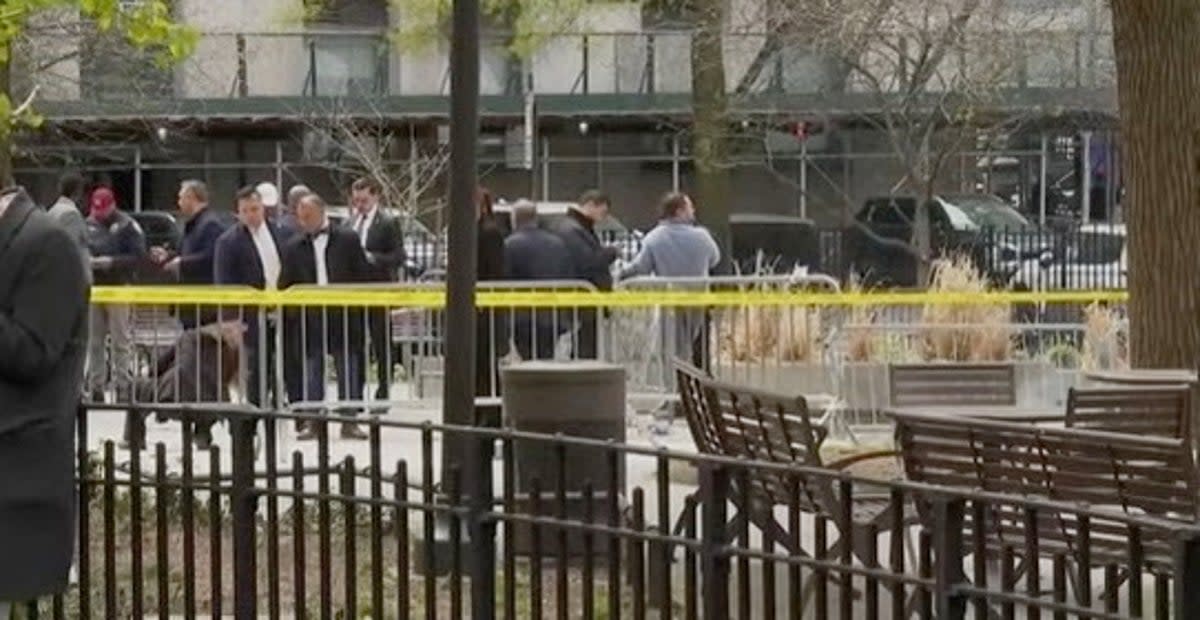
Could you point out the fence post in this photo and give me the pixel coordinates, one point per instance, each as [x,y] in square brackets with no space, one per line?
[482,531]
[951,602]
[244,504]
[714,536]
[1187,575]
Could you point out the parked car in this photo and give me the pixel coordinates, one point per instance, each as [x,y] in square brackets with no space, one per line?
[161,228]
[982,226]
[1095,256]
[424,250]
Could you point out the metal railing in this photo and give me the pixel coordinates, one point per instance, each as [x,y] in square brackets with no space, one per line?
[530,525]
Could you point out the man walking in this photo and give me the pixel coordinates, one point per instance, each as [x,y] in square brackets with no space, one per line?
[678,248]
[533,253]
[118,249]
[43,330]
[324,255]
[194,265]
[65,212]
[248,255]
[592,261]
[383,243]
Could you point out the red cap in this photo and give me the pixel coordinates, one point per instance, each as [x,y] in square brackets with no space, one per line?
[102,199]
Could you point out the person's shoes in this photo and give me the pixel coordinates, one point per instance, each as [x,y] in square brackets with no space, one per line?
[353,432]
[96,397]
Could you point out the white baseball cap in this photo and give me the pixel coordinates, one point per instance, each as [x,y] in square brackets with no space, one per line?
[268,193]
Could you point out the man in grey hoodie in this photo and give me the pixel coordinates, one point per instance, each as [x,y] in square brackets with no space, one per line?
[677,248]
[65,212]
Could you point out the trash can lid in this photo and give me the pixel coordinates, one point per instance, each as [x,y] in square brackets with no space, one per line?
[575,370]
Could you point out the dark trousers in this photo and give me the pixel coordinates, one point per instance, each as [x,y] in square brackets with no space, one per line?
[381,348]
[307,383]
[535,339]
[587,338]
[260,358]
[304,369]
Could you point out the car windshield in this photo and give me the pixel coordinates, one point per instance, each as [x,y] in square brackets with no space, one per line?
[1095,248]
[978,212]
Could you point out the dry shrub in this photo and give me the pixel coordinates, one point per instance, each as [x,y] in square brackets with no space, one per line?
[1105,338]
[986,334]
[862,339]
[759,333]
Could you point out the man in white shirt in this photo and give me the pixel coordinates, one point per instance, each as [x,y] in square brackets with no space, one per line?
[322,255]
[248,254]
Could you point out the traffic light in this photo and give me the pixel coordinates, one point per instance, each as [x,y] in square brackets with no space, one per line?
[803,130]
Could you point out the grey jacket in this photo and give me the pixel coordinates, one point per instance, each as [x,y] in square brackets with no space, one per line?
[66,213]
[43,336]
[675,250]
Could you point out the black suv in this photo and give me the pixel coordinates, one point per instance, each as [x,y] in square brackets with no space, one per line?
[980,226]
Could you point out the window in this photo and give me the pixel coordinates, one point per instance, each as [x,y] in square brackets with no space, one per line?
[347,65]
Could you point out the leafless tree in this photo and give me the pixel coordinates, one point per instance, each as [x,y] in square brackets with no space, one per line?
[352,144]
[929,76]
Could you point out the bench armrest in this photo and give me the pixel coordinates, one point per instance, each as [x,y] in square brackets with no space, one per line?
[858,458]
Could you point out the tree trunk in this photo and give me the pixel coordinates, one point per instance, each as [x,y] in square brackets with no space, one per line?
[1158,49]
[6,178]
[710,108]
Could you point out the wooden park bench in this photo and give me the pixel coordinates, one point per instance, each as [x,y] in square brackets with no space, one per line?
[1157,411]
[734,421]
[1122,474]
[952,384]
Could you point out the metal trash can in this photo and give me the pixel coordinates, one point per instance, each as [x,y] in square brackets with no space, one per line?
[575,399]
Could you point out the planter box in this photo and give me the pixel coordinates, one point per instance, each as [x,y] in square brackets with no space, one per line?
[863,386]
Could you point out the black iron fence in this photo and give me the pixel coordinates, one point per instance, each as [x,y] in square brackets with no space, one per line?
[531,526]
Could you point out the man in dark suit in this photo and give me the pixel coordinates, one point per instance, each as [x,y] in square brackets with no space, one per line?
[534,253]
[324,255]
[592,260]
[43,337]
[383,242]
[248,254]
[194,264]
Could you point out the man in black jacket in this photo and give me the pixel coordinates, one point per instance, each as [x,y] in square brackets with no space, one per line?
[591,259]
[118,249]
[194,264]
[533,253]
[383,243]
[248,254]
[43,331]
[324,255]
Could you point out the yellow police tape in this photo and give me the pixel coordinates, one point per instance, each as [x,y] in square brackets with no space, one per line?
[434,298]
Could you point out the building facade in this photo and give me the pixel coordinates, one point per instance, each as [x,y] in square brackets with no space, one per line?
[605,102]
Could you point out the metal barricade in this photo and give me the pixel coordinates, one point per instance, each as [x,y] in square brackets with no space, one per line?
[146,354]
[727,341]
[367,345]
